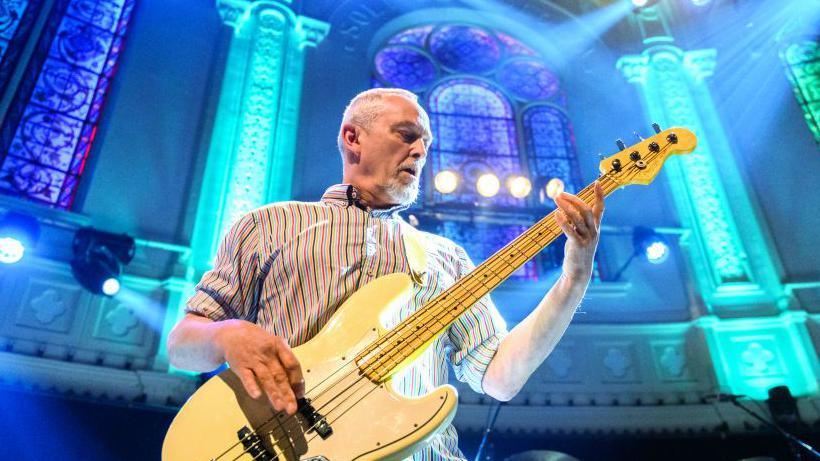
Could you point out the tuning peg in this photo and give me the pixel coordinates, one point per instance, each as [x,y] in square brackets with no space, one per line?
[656,127]
[619,142]
[638,135]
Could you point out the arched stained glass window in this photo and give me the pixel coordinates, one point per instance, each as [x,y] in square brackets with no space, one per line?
[495,107]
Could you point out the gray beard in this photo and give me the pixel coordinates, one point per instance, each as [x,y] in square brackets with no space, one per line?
[403,194]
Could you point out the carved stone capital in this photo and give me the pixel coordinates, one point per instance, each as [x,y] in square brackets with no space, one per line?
[634,68]
[700,64]
[310,32]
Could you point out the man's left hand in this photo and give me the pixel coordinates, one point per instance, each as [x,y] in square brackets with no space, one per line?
[581,224]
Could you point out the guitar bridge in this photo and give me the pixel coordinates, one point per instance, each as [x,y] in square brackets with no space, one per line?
[316,421]
[254,446]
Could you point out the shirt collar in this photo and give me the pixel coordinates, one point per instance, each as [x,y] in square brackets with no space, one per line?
[348,194]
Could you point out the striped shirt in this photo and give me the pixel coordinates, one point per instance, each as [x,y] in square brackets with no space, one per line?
[288,266]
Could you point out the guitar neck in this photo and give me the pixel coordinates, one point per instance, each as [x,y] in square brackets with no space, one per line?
[411,336]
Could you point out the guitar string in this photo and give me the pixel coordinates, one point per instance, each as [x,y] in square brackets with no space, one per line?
[383,341]
[433,313]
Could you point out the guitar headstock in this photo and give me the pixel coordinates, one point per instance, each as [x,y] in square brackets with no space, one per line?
[640,163]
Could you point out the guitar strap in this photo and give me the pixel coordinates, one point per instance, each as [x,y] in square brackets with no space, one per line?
[415,247]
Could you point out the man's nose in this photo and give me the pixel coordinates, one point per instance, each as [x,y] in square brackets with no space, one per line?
[419,150]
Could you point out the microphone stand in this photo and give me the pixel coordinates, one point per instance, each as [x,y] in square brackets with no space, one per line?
[792,439]
[487,430]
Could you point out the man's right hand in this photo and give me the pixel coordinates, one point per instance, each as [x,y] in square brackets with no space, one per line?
[264,363]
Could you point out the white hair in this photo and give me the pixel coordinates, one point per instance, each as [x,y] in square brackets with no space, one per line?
[366,106]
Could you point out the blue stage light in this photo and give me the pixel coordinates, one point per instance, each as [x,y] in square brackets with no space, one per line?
[11,250]
[111,287]
[650,244]
[18,232]
[98,259]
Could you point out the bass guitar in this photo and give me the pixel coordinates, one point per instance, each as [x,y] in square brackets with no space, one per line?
[350,411]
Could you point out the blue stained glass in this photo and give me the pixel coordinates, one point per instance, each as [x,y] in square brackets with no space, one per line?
[481,240]
[474,133]
[48,150]
[31,180]
[513,47]
[82,44]
[466,49]
[11,12]
[528,79]
[415,36]
[405,67]
[102,14]
[65,89]
[550,143]
[475,129]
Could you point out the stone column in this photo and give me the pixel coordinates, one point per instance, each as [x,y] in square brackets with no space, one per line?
[754,342]
[734,265]
[251,156]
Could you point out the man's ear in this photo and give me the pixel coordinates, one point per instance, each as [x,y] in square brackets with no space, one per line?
[350,140]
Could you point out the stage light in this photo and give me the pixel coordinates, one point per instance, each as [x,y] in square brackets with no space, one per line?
[519,186]
[554,188]
[98,259]
[111,287]
[18,232]
[650,245]
[488,185]
[641,5]
[446,181]
[700,2]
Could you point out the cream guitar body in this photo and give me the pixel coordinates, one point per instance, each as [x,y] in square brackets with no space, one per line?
[368,420]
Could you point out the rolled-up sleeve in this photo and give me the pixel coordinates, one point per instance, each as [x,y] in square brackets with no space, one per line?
[230,289]
[474,337]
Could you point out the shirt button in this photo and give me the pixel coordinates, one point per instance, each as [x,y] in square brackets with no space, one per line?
[370,274]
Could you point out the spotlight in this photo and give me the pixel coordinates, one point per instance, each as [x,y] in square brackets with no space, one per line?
[488,185]
[554,188]
[647,244]
[446,181]
[18,231]
[650,244]
[519,186]
[98,259]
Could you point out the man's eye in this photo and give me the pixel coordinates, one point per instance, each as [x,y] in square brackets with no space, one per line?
[409,137]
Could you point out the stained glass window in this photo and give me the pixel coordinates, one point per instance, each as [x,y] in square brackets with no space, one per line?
[495,107]
[802,61]
[16,19]
[53,119]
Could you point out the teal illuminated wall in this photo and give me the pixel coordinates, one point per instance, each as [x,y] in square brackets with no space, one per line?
[755,343]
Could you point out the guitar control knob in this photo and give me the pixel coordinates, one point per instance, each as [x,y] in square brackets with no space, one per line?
[620,143]
[656,127]
[616,165]
[654,147]
[634,156]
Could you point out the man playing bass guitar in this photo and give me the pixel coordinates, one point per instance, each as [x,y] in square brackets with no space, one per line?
[284,269]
